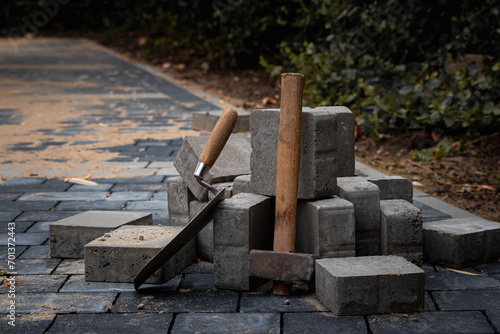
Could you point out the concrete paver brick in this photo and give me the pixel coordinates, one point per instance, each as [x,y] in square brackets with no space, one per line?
[394,187]
[242,184]
[241,223]
[24,239]
[370,285]
[318,157]
[479,300]
[130,196]
[65,196]
[260,302]
[313,323]
[26,206]
[227,323]
[365,197]
[461,242]
[206,120]
[77,283]
[91,205]
[120,257]
[401,230]
[147,205]
[326,228]
[68,236]
[179,197]
[233,161]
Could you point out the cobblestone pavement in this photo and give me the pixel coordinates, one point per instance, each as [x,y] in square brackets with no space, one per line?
[52,295]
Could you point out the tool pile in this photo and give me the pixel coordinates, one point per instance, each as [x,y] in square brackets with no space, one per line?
[286,210]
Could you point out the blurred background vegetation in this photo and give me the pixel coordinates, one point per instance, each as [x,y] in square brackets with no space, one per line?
[398,65]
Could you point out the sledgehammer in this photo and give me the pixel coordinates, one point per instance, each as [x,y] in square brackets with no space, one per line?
[287,182]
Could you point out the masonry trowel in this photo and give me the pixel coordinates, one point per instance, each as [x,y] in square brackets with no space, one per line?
[209,155]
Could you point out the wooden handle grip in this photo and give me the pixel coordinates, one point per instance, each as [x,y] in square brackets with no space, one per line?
[219,136]
[288,164]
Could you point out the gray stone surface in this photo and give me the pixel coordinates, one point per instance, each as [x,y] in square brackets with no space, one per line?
[467,300]
[260,302]
[448,280]
[233,161]
[28,323]
[24,239]
[459,243]
[370,285]
[206,120]
[365,197]
[318,156]
[322,323]
[401,230]
[32,266]
[68,236]
[37,283]
[430,322]
[77,283]
[60,302]
[35,252]
[242,184]
[494,317]
[147,205]
[111,323]
[65,196]
[326,228]
[26,205]
[70,267]
[120,257]
[130,196]
[198,282]
[91,205]
[179,197]
[241,223]
[394,187]
[227,323]
[99,187]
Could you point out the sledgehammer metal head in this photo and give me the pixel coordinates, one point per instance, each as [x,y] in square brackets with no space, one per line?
[281,266]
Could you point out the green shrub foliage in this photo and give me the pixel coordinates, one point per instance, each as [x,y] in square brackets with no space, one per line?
[389,61]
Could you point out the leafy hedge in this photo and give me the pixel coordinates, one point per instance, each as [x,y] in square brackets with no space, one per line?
[386,60]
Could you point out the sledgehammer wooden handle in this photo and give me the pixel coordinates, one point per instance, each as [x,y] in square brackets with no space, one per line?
[219,136]
[287,170]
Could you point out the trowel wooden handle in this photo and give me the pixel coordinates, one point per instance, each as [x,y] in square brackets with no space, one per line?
[287,169]
[218,138]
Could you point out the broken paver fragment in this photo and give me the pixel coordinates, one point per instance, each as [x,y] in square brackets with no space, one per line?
[233,161]
[461,242]
[68,236]
[120,257]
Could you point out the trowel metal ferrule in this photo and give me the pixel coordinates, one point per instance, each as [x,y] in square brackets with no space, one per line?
[200,171]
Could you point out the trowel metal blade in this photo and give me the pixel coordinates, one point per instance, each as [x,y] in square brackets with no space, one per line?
[180,240]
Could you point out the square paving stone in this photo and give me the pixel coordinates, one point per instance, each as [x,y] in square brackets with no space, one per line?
[28,323]
[25,180]
[161,196]
[65,196]
[139,187]
[91,205]
[9,215]
[491,268]
[60,302]
[220,301]
[77,283]
[36,252]
[227,323]
[316,323]
[45,215]
[128,180]
[32,266]
[99,187]
[38,227]
[454,281]
[467,300]
[124,196]
[25,239]
[430,214]
[70,267]
[147,205]
[10,196]
[38,283]
[430,322]
[111,323]
[494,317]
[18,250]
[34,188]
[19,227]
[26,206]
[257,302]
[198,282]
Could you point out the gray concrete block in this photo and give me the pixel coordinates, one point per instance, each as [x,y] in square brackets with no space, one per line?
[206,120]
[178,196]
[326,228]
[370,285]
[233,161]
[120,256]
[345,139]
[401,230]
[227,186]
[365,197]
[318,157]
[394,187]
[242,184]
[242,222]
[461,242]
[68,236]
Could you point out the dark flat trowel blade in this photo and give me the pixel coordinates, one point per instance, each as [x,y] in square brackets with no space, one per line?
[185,235]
